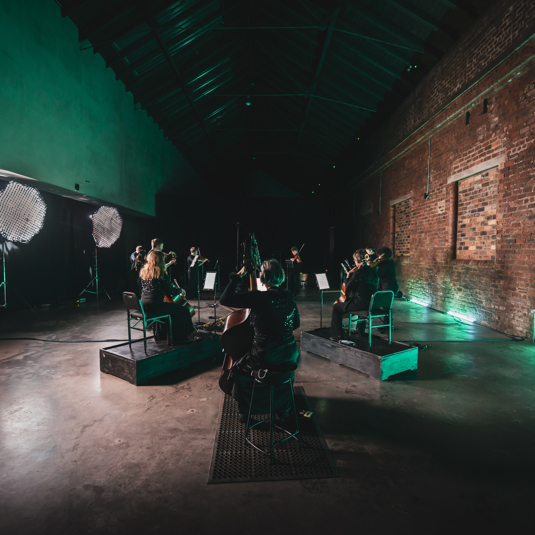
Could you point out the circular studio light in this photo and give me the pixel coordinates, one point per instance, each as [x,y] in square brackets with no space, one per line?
[22,212]
[107,225]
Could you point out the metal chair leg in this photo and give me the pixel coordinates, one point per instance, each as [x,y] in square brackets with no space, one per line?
[145,335]
[129,335]
[271,424]
[295,414]
[249,413]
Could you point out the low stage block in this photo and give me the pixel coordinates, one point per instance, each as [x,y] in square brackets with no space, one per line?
[380,362]
[135,366]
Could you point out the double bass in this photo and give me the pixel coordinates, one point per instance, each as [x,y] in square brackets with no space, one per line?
[238,333]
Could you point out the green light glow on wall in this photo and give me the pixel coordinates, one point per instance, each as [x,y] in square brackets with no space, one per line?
[419,302]
[462,317]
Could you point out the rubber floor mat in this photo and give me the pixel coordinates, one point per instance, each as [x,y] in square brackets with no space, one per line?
[234,460]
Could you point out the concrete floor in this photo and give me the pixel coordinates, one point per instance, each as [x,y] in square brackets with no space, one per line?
[447,448]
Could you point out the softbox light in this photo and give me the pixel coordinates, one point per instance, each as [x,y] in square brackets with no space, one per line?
[107,225]
[22,212]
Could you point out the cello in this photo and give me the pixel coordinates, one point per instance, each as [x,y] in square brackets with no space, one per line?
[177,295]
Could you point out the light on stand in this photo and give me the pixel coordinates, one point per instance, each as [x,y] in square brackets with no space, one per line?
[107,226]
[22,215]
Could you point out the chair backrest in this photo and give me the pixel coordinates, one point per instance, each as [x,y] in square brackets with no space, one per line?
[131,301]
[382,300]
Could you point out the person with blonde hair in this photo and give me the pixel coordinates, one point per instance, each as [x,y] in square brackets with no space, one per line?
[154,288]
[274,318]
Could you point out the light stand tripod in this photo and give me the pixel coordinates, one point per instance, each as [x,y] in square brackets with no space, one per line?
[96,280]
[3,284]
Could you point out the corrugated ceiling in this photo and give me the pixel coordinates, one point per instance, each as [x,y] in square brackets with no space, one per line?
[281,87]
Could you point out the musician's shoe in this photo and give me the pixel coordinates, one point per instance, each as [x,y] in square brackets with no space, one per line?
[334,339]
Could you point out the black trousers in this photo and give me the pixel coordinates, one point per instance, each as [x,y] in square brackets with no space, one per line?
[294,280]
[339,309]
[180,318]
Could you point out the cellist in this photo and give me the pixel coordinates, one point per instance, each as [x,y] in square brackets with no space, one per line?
[360,285]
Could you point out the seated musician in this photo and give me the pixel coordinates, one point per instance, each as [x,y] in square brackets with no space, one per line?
[275,317]
[370,253]
[360,285]
[386,271]
[154,288]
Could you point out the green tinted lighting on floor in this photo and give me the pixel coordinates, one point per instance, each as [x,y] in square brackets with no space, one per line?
[462,317]
[419,302]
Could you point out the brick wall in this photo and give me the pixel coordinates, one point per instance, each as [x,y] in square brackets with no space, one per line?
[476,217]
[402,228]
[500,291]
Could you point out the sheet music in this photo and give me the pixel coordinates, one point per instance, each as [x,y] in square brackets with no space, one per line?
[209,281]
[323,283]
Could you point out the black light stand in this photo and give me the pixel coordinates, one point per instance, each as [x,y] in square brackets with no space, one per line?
[3,284]
[96,280]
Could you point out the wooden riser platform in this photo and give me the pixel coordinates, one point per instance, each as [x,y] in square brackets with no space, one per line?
[135,366]
[380,362]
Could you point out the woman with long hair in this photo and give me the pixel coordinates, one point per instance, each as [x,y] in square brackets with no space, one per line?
[155,287]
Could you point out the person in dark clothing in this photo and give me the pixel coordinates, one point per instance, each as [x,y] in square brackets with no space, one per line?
[370,253]
[154,288]
[386,271]
[294,272]
[275,317]
[134,272]
[141,260]
[360,284]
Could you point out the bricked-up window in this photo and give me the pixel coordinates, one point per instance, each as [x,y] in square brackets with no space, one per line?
[476,216]
[402,228]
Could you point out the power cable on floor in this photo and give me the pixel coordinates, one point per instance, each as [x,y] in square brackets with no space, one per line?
[71,341]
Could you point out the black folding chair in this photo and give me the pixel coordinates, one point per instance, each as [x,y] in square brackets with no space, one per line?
[380,307]
[135,312]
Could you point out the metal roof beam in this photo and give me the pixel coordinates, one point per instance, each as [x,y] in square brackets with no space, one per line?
[422,17]
[153,26]
[319,66]
[383,24]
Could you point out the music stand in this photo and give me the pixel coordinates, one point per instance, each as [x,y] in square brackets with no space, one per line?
[210,284]
[323,284]
[289,264]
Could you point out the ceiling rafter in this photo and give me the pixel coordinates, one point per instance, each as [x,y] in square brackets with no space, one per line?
[314,82]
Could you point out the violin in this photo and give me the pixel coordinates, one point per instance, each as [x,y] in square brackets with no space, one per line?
[172,254]
[199,260]
[297,257]
[178,296]
[377,261]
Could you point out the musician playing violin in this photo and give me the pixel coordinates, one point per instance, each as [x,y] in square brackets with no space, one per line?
[360,284]
[273,350]
[370,253]
[293,272]
[157,245]
[195,260]
[155,287]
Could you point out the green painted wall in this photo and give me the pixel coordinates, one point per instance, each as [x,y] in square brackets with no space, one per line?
[65,119]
